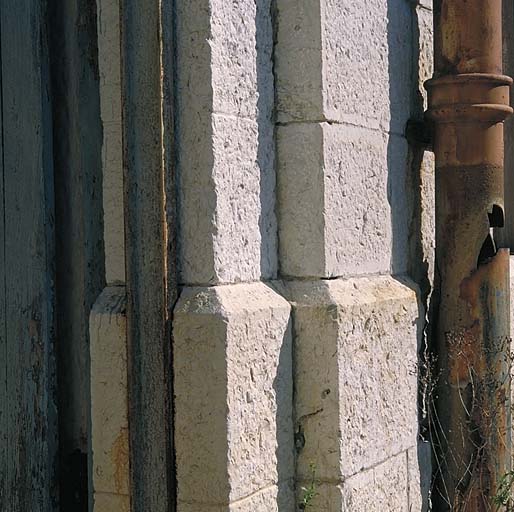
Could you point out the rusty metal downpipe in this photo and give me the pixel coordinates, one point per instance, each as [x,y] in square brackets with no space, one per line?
[468,102]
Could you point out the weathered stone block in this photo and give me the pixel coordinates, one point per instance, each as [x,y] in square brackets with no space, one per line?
[298,61]
[226,163]
[342,201]
[367,63]
[233,387]
[111,503]
[109,401]
[383,488]
[357,59]
[109,64]
[242,47]
[232,236]
[356,345]
[271,499]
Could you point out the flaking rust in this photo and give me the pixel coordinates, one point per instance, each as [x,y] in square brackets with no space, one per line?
[468,102]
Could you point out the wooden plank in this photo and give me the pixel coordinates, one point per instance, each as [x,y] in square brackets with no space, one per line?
[28,193]
[80,272]
[148,340]
[4,444]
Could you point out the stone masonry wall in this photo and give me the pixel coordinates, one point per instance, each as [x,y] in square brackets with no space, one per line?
[232,331]
[306,234]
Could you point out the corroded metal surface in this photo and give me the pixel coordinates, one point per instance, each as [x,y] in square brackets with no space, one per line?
[468,102]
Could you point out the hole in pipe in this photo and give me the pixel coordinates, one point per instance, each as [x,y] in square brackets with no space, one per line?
[496,217]
[489,249]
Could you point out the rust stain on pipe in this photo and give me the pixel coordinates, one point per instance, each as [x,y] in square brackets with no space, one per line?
[468,102]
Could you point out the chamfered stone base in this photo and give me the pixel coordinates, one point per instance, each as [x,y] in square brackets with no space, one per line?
[233,399]
[109,402]
[356,348]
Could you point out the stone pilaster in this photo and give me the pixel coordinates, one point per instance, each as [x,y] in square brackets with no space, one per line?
[231,331]
[346,85]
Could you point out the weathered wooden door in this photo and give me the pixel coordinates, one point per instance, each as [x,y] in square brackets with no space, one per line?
[27,367]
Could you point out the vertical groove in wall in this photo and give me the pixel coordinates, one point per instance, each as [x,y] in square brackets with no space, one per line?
[266,142]
[168,66]
[148,354]
[420,263]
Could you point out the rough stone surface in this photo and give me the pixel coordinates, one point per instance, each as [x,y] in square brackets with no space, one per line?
[298,61]
[233,390]
[109,403]
[383,487]
[386,484]
[358,60]
[355,372]
[110,104]
[111,503]
[271,499]
[349,203]
[367,63]
[342,201]
[225,131]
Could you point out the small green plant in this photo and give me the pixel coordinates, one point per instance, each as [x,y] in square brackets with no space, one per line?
[310,492]
[503,496]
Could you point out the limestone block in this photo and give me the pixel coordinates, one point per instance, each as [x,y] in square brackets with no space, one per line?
[242,46]
[342,200]
[271,499]
[367,62]
[298,61]
[226,172]
[358,58]
[111,503]
[233,398]
[382,488]
[109,403]
[355,372]
[109,62]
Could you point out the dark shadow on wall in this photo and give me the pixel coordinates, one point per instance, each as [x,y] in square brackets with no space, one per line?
[80,267]
[283,387]
[404,162]
[283,382]
[266,142]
